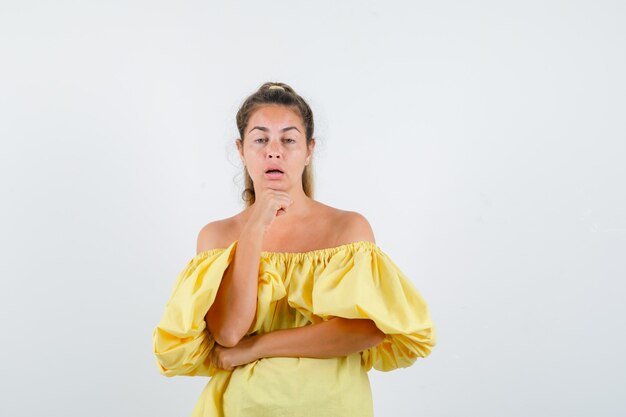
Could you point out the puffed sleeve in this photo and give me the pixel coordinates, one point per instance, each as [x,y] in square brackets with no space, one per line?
[367,284]
[181,341]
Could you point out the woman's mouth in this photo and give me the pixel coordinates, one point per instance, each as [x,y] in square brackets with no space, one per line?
[274,174]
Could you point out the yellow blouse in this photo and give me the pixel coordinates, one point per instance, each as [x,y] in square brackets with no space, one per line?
[354,280]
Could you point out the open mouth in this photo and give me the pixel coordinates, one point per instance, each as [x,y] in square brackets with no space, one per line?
[274,174]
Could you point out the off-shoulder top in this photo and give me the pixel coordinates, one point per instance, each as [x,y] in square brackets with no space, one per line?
[355,280]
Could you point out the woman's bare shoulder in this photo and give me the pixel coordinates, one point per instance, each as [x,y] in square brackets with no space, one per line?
[353,225]
[218,233]
[356,228]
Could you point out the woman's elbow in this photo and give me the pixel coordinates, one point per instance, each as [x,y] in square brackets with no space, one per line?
[222,336]
[227,340]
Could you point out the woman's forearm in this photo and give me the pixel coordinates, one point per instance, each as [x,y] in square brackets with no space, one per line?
[234,308]
[332,338]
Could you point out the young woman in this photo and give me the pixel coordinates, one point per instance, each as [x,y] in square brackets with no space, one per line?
[288,304]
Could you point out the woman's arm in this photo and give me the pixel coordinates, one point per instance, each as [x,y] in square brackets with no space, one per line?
[335,337]
[233,310]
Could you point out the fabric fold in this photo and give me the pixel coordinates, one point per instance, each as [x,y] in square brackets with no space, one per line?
[181,341]
[367,284]
[271,289]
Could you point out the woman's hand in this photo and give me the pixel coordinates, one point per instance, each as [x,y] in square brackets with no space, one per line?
[268,205]
[229,357]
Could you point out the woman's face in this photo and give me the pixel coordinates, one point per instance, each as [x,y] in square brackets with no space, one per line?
[275,138]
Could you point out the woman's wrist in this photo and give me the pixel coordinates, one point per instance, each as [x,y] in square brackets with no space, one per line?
[257,346]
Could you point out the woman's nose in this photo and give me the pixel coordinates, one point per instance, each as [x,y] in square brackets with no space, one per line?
[273,150]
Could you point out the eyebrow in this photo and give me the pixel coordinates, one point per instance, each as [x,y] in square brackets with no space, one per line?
[263,128]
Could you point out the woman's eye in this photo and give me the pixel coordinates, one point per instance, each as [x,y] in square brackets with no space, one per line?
[263,139]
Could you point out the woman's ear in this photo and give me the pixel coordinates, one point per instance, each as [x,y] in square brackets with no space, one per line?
[310,150]
[239,144]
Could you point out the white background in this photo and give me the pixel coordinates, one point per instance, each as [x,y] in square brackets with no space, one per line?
[485,142]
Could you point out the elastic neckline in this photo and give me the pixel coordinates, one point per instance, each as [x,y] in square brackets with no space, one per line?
[351,245]
[315,253]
